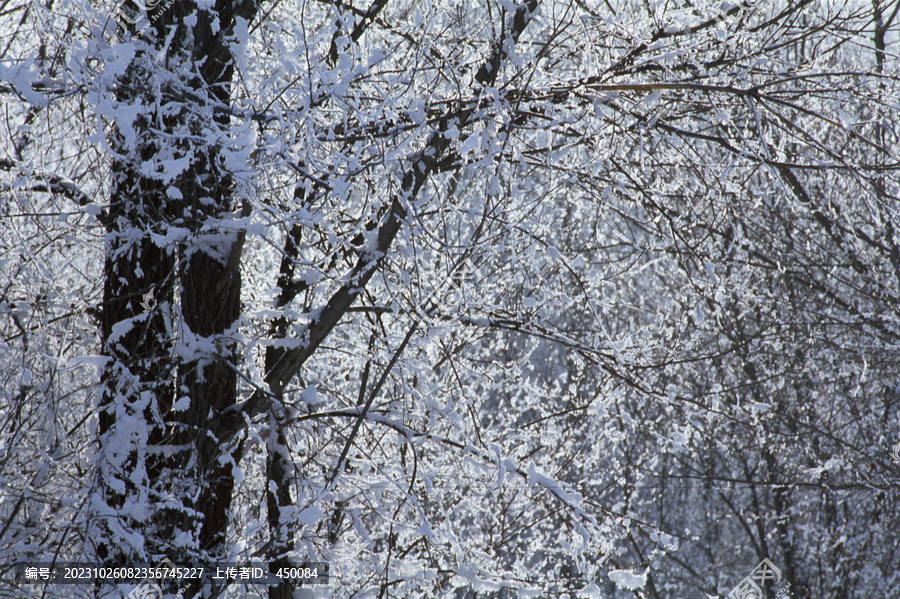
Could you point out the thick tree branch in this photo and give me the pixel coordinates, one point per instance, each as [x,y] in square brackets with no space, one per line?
[423,164]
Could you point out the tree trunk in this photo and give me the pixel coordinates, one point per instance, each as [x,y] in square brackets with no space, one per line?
[172,469]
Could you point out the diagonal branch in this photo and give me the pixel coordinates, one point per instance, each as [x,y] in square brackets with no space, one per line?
[428,160]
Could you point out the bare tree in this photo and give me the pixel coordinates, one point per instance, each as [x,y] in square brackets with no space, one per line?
[461,299]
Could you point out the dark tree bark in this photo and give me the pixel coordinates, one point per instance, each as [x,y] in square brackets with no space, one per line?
[138,273]
[183,467]
[278,466]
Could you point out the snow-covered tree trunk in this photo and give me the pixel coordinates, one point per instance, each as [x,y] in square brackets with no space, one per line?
[174,228]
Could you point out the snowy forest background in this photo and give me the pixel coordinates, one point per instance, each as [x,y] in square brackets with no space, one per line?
[467,299]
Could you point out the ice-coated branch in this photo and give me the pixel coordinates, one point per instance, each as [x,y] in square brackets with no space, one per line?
[428,160]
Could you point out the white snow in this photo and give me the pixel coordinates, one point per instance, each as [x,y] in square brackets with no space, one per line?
[309,395]
[628,580]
